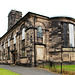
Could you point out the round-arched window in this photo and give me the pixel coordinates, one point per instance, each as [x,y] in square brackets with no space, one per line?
[23,33]
[39,32]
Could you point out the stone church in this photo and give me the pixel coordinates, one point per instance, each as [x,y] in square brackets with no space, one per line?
[36,39]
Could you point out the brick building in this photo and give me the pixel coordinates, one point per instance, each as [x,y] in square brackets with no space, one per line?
[35,39]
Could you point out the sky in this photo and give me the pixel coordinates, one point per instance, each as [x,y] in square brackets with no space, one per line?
[50,8]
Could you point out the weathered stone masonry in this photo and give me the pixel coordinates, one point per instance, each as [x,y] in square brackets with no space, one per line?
[34,39]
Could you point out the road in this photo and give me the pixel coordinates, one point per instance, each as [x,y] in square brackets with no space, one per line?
[26,70]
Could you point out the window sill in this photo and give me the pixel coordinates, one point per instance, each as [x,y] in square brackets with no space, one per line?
[22,57]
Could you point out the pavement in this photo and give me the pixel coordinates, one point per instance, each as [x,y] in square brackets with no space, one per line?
[27,70]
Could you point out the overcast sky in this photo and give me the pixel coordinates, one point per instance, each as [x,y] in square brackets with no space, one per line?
[48,8]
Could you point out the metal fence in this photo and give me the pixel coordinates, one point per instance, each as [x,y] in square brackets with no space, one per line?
[63,60]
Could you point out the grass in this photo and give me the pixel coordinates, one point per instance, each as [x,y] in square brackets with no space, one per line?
[66,69]
[7,72]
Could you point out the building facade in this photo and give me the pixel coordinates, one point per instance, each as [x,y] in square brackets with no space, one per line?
[35,39]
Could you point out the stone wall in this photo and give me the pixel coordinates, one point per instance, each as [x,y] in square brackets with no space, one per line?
[36,49]
[28,24]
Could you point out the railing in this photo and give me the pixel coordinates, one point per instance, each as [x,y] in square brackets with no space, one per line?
[63,60]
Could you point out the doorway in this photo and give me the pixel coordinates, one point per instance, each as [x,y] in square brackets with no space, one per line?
[14,57]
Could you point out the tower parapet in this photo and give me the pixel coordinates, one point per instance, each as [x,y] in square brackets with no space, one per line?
[13,17]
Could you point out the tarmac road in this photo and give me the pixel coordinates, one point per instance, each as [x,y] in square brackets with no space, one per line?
[26,70]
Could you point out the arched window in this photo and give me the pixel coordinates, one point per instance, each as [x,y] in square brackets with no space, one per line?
[8,42]
[23,33]
[71,35]
[4,45]
[15,39]
[39,32]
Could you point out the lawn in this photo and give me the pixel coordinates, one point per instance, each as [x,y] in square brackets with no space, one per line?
[7,72]
[64,67]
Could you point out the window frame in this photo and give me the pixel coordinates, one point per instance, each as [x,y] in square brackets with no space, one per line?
[23,52]
[23,33]
[39,32]
[8,53]
[8,42]
[4,45]
[15,39]
[71,35]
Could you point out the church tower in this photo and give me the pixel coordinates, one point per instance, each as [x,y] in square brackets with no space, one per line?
[13,17]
